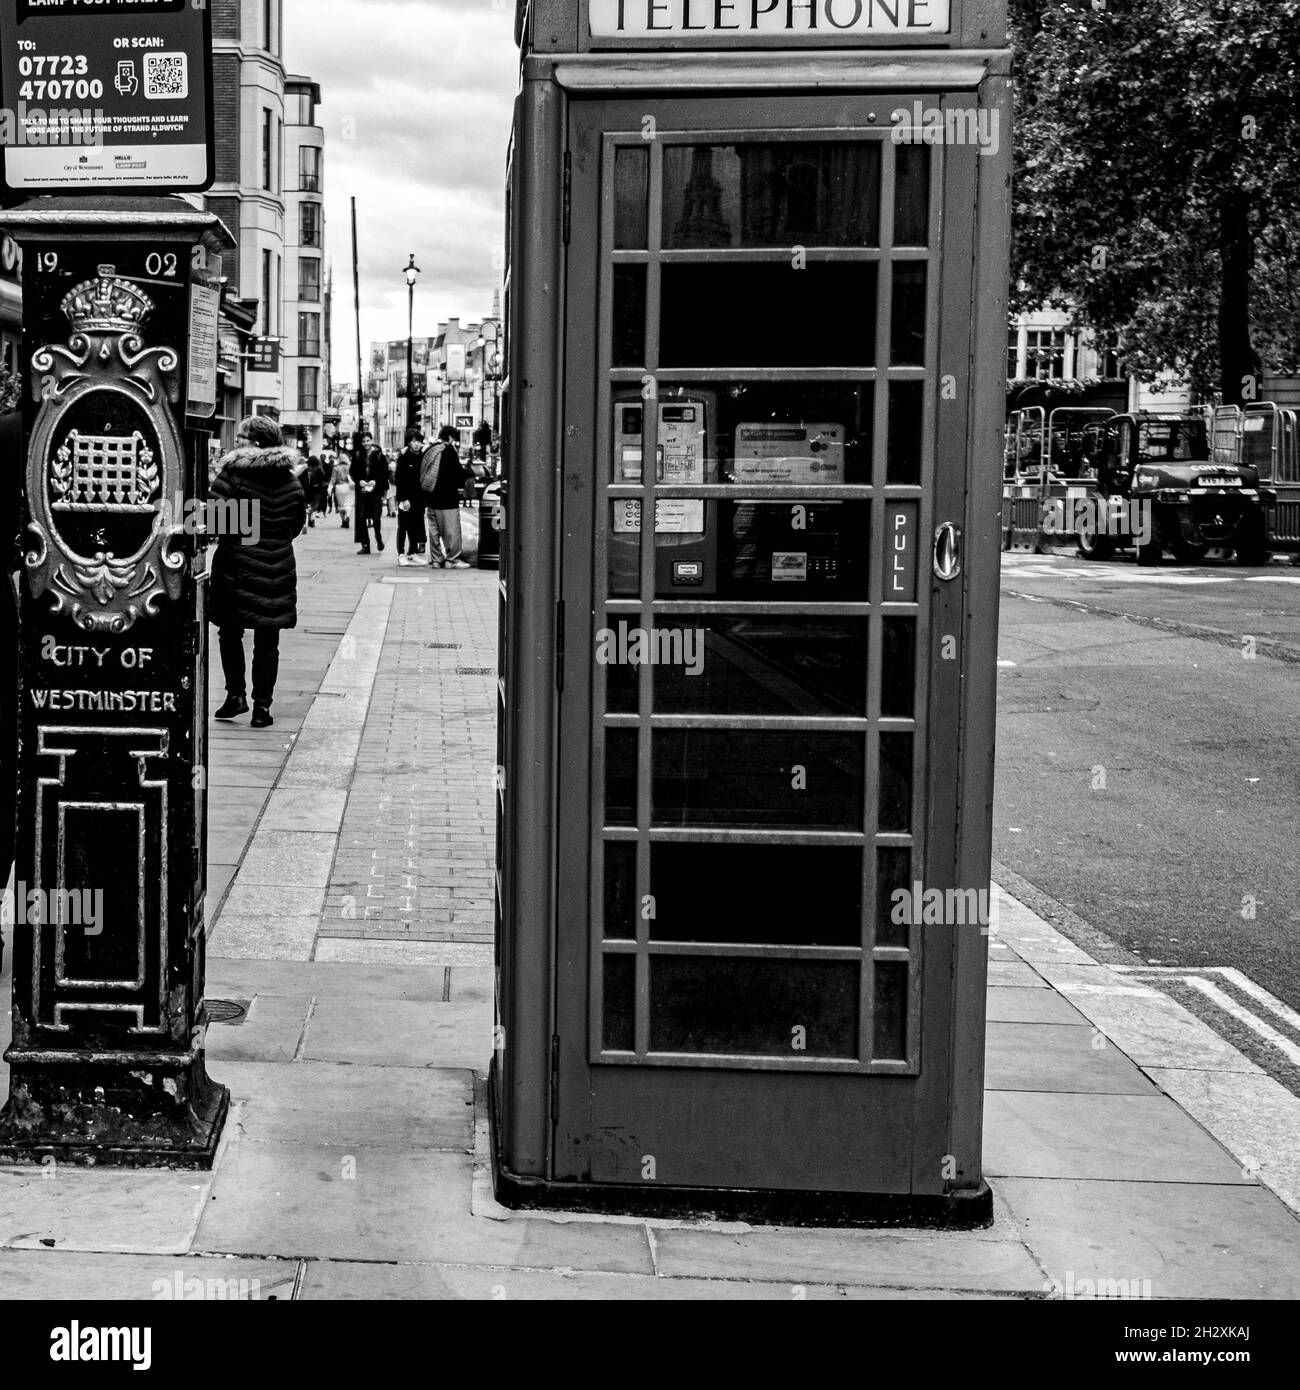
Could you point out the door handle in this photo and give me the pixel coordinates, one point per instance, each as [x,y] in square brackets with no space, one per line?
[947,551]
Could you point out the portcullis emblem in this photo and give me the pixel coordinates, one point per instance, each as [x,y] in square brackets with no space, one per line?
[105,453]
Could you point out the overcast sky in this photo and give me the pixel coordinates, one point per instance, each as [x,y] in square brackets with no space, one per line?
[416,103]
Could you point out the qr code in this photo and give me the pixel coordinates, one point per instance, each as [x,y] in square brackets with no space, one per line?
[166,75]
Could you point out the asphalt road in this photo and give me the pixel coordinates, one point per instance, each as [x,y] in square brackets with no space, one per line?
[1149,765]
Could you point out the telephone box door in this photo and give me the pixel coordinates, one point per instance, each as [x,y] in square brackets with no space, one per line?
[766,453]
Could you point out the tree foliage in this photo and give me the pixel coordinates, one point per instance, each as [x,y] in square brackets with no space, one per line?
[1158,179]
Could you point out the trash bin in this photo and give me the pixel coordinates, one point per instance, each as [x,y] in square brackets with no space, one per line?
[489,538]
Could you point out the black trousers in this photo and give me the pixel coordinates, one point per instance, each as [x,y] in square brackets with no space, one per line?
[370,511]
[410,530]
[266,661]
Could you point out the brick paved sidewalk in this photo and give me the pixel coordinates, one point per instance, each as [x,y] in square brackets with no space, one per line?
[415,855]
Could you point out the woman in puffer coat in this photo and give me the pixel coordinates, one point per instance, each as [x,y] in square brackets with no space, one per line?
[254,575]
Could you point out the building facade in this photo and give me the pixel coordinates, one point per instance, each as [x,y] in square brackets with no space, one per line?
[305,352]
[268,192]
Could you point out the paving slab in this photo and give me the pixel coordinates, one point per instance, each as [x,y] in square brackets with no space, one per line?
[1254,1117]
[330,1104]
[1122,1138]
[1009,1005]
[1058,1057]
[1189,1241]
[132,1211]
[406,1033]
[1157,1031]
[290,808]
[294,1200]
[260,936]
[292,858]
[271,1031]
[954,1261]
[241,979]
[1014,974]
[341,949]
[51,1275]
[273,900]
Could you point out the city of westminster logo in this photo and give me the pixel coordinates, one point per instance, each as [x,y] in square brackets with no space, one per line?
[105,452]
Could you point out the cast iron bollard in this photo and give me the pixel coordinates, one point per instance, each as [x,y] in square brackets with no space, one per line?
[107,1060]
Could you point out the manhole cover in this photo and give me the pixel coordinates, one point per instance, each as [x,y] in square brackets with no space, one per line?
[227,1010]
[475,671]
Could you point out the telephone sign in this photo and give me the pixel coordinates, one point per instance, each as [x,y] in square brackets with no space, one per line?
[681,21]
[106,94]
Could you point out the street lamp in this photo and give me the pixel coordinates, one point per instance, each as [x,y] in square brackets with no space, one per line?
[492,370]
[412,273]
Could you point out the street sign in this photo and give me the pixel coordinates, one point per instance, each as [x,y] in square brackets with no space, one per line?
[105,94]
[464,422]
[205,335]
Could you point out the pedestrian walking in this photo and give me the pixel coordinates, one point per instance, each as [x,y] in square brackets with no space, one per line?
[255,577]
[390,498]
[343,491]
[441,481]
[410,500]
[318,479]
[370,474]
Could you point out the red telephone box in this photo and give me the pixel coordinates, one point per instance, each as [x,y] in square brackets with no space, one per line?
[755,306]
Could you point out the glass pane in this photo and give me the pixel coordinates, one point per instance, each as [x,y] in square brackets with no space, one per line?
[757,1007]
[629,315]
[898,669]
[804,434]
[620,891]
[768,315]
[618,1032]
[889,1028]
[912,195]
[761,895]
[793,551]
[765,666]
[893,872]
[896,784]
[631,185]
[620,776]
[741,777]
[906,402]
[621,658]
[780,551]
[785,194]
[907,315]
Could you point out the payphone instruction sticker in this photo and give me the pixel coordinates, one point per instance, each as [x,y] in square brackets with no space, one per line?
[673,516]
[105,94]
[707,21]
[799,454]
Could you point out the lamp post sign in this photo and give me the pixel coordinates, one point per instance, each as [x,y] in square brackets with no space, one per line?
[105,94]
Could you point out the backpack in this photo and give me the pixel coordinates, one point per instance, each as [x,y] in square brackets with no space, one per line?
[430,467]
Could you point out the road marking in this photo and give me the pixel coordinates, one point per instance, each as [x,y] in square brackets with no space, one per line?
[1194,977]
[1036,567]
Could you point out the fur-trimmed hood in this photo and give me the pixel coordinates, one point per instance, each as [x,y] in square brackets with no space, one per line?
[250,460]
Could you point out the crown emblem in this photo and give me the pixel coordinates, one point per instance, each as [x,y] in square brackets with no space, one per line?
[106,304]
